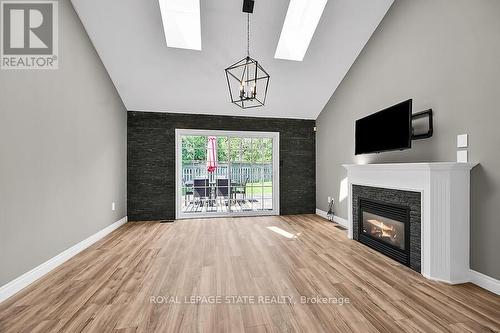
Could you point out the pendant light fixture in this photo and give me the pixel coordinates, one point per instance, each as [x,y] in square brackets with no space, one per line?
[246,79]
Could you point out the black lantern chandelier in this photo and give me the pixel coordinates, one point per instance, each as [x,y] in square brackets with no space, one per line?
[246,79]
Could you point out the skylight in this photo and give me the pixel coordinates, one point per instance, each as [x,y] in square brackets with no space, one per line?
[301,21]
[181,22]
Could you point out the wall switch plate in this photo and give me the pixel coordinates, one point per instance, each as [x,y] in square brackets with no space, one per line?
[462,141]
[462,156]
[113,206]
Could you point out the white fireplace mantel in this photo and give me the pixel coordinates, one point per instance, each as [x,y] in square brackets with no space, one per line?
[445,193]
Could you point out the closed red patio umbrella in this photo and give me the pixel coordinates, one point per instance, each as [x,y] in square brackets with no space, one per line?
[212,154]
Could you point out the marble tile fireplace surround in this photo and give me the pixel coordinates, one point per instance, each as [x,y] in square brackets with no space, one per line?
[416,213]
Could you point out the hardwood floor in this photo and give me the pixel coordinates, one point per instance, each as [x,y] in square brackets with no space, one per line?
[109,287]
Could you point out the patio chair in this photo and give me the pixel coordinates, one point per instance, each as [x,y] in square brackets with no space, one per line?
[242,189]
[201,190]
[188,191]
[223,188]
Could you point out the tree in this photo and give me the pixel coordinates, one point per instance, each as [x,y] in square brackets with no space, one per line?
[194,148]
[235,149]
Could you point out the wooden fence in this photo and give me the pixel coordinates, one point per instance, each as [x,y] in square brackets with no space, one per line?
[238,172]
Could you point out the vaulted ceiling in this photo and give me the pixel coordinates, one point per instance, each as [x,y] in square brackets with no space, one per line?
[149,76]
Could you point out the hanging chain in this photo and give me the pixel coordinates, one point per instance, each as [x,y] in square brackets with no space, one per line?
[248,34]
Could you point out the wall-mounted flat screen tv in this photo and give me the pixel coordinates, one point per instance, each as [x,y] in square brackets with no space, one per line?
[389,129]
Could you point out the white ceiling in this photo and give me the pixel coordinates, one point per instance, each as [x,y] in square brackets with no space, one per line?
[149,76]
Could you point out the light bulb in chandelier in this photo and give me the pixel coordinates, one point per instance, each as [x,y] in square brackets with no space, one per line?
[242,90]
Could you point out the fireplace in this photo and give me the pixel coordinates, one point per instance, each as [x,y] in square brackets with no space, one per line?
[385,227]
[437,195]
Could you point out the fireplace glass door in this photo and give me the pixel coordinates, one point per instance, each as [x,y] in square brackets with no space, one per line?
[384,229]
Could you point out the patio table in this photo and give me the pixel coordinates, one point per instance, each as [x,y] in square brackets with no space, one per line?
[213,192]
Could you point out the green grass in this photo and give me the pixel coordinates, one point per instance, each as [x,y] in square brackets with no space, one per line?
[256,189]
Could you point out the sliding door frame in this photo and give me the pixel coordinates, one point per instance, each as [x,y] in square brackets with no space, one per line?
[275,136]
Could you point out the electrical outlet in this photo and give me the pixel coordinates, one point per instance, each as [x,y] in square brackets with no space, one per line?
[462,156]
[113,206]
[329,199]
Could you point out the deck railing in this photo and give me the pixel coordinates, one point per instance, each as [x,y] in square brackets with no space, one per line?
[239,172]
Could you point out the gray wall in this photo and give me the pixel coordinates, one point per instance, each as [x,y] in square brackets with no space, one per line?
[62,153]
[445,54]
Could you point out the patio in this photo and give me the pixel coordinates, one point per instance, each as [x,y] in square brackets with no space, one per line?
[224,206]
[250,188]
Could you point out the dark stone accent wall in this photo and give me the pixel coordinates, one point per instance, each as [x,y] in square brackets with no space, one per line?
[398,197]
[151,160]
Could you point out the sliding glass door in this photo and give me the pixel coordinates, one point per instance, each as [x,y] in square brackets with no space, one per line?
[225,173]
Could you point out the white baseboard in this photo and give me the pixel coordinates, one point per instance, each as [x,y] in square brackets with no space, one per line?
[321,213]
[28,278]
[453,282]
[485,281]
[339,220]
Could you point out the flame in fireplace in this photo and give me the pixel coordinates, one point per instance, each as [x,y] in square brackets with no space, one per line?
[380,229]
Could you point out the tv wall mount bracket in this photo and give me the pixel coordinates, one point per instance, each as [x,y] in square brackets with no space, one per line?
[423,114]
